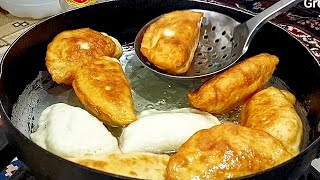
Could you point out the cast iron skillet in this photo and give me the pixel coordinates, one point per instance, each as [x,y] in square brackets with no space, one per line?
[122,19]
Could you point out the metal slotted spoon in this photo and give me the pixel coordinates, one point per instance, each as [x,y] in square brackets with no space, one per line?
[222,40]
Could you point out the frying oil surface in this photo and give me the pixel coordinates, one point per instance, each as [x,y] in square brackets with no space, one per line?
[149,91]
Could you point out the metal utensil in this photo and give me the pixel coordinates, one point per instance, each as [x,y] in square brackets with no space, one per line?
[222,42]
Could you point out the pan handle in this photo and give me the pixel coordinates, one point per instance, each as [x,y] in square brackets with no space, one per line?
[318,155]
[6,152]
[3,137]
[3,144]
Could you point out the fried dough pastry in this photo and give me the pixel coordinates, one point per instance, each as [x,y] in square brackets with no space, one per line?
[290,97]
[102,87]
[271,111]
[171,41]
[226,151]
[72,48]
[235,85]
[135,165]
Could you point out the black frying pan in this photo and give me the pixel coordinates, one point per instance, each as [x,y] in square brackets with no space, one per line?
[123,19]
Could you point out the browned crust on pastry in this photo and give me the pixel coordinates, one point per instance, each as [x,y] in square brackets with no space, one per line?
[235,85]
[272,111]
[170,42]
[226,151]
[135,165]
[72,48]
[102,87]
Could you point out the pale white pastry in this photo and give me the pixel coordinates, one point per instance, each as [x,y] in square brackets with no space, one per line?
[71,132]
[163,131]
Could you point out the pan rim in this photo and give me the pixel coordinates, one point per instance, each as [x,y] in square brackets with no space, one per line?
[8,120]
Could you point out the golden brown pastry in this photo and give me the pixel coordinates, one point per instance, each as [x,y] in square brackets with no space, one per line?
[72,48]
[171,41]
[235,85]
[289,96]
[135,165]
[271,111]
[226,151]
[103,88]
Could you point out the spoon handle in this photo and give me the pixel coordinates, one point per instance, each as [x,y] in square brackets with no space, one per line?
[260,19]
[250,27]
